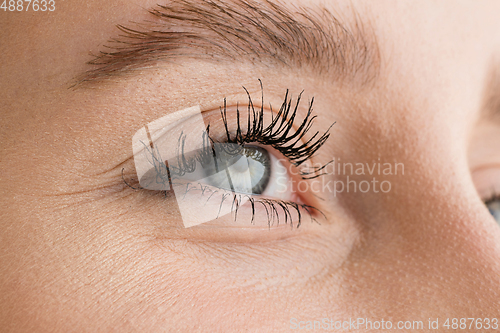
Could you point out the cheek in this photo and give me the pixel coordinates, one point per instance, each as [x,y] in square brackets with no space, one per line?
[110,270]
[424,242]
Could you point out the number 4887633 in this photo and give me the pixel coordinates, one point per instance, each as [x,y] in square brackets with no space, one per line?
[26,5]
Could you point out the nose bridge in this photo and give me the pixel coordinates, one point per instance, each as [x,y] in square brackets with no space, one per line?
[429,244]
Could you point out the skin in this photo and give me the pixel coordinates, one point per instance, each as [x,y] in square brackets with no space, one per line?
[82,252]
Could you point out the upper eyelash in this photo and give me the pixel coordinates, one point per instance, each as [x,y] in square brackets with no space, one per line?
[492,197]
[280,133]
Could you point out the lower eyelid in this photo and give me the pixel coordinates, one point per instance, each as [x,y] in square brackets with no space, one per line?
[162,207]
[199,204]
[159,214]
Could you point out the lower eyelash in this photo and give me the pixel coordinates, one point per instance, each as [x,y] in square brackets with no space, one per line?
[287,206]
[271,206]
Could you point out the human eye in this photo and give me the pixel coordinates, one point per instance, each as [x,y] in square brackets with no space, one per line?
[485,165]
[493,205]
[487,181]
[236,166]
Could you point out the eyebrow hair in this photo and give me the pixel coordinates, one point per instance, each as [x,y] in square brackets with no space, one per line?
[240,30]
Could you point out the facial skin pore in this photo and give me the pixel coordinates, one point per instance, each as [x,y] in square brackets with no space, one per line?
[411,83]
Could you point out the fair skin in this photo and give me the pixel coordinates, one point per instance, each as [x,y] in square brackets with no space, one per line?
[82,252]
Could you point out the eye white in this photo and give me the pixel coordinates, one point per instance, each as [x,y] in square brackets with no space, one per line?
[279,185]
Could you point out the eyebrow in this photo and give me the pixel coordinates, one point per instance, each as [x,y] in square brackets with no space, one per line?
[240,30]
